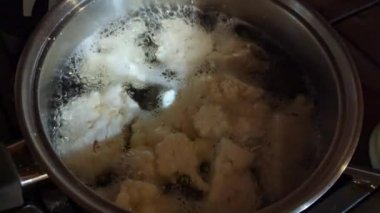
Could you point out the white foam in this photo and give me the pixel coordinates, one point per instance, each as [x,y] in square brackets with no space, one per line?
[183,47]
[95,117]
[116,55]
[115,58]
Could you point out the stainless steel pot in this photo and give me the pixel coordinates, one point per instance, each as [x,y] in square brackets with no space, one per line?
[295,26]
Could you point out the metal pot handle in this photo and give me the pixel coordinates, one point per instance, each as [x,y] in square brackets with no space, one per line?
[28,170]
[18,170]
[362,185]
[10,185]
[363,176]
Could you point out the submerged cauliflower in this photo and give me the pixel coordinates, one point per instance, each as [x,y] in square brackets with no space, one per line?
[213,142]
[211,122]
[141,164]
[233,187]
[96,159]
[115,59]
[188,148]
[192,45]
[96,116]
[138,196]
[176,154]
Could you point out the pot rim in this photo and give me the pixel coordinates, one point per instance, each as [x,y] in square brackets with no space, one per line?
[349,119]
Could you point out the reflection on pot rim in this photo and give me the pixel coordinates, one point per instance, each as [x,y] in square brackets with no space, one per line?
[339,91]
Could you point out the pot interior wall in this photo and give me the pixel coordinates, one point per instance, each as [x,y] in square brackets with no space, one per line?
[282,24]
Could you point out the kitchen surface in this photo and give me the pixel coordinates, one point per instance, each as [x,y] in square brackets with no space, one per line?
[356,21]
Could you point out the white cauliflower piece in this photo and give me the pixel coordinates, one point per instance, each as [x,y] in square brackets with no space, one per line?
[175,152]
[233,193]
[232,158]
[95,117]
[144,197]
[205,149]
[182,123]
[148,132]
[237,57]
[233,189]
[176,155]
[226,89]
[181,46]
[141,164]
[138,196]
[116,58]
[211,122]
[250,122]
[228,43]
[93,160]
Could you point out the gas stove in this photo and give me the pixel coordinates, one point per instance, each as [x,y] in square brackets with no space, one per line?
[355,20]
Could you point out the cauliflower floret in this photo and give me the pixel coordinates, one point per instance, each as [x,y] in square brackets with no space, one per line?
[233,88]
[235,56]
[250,122]
[176,155]
[140,163]
[116,59]
[148,132]
[93,160]
[211,122]
[138,196]
[233,193]
[181,123]
[233,189]
[204,149]
[227,43]
[225,90]
[216,103]
[187,103]
[232,158]
[95,117]
[191,45]
[144,197]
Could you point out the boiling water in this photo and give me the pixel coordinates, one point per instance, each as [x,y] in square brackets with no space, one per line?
[145,69]
[159,46]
